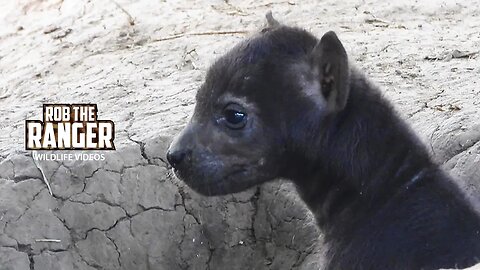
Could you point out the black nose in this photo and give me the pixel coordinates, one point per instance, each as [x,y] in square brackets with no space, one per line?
[175,157]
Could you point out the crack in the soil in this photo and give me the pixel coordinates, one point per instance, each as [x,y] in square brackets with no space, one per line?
[31,261]
[211,250]
[254,201]
[462,149]
[184,234]
[142,144]
[187,210]
[116,249]
[29,251]
[142,148]
[93,265]
[27,207]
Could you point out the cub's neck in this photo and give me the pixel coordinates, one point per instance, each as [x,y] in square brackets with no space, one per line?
[364,157]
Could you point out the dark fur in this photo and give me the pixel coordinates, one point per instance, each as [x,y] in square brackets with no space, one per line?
[380,200]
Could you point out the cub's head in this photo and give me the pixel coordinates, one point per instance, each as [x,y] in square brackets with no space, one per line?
[260,107]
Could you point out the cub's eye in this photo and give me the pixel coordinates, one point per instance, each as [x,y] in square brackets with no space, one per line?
[235,117]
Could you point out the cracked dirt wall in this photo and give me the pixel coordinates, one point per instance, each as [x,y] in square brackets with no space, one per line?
[129,213]
[142,67]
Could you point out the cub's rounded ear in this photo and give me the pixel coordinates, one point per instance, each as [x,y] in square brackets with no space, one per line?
[271,22]
[330,62]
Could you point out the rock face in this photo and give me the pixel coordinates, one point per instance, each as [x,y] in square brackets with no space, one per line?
[141,62]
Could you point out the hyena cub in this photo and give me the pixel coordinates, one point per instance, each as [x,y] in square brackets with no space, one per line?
[283,104]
